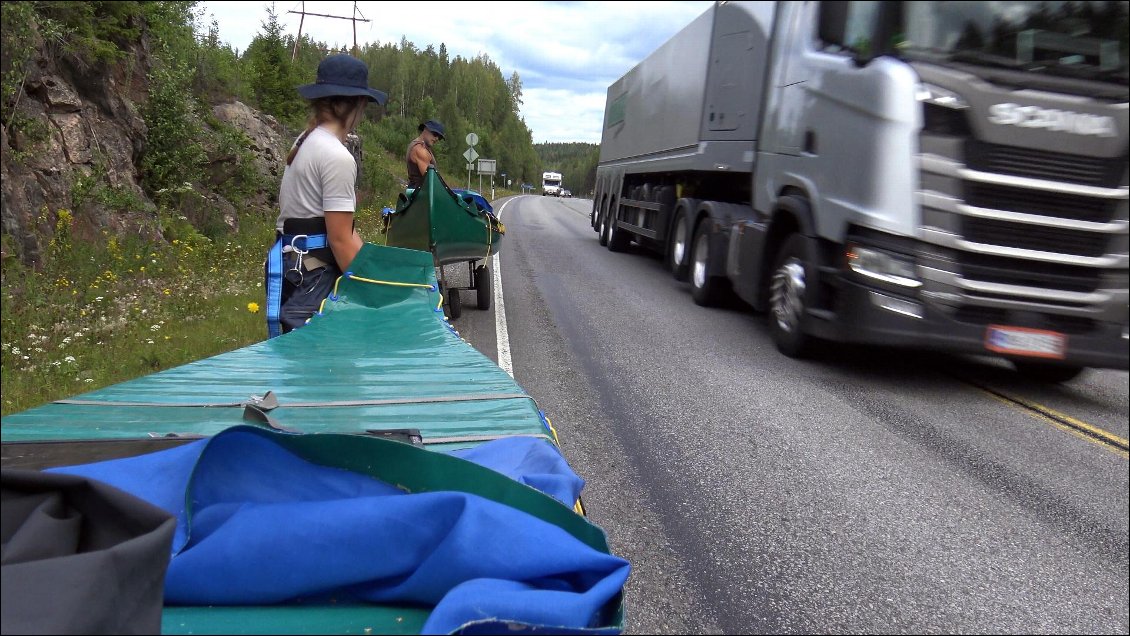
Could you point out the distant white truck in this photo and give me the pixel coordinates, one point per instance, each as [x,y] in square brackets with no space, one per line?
[551,184]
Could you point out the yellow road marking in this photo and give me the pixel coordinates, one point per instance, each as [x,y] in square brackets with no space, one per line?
[1106,439]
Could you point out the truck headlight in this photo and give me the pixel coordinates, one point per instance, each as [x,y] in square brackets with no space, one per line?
[938,96]
[882,266]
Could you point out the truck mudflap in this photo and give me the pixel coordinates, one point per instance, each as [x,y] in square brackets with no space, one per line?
[866,315]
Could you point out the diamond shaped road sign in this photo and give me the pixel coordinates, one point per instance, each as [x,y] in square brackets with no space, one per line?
[470,155]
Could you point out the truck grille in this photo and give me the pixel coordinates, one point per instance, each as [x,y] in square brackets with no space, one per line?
[1042,164]
[1063,206]
[1010,271]
[1059,304]
[1034,237]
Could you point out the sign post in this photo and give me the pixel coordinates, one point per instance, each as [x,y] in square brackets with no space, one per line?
[470,155]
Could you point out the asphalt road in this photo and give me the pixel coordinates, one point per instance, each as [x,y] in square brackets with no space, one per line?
[868,491]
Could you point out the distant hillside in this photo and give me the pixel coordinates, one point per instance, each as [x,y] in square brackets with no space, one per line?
[575,161]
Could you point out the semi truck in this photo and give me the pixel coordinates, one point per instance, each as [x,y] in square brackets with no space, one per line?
[930,175]
[551,184]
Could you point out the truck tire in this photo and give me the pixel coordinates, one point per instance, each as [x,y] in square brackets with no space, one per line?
[706,290]
[679,246]
[482,286]
[603,231]
[618,238]
[1047,373]
[790,297]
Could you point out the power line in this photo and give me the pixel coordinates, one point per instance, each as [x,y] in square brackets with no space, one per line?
[302,20]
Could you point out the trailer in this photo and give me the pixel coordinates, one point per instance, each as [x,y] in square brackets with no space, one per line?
[457,226]
[950,176]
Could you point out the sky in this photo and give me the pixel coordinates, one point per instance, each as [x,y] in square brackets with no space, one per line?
[566,53]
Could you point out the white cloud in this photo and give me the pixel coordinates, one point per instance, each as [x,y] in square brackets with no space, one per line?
[566,53]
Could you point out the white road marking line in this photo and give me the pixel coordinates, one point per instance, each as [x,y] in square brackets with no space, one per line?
[501,334]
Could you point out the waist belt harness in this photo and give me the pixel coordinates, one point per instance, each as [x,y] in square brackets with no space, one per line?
[301,243]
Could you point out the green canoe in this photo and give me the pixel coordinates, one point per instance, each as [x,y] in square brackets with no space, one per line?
[453,226]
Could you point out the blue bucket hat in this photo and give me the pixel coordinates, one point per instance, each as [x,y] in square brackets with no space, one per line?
[433,126]
[342,75]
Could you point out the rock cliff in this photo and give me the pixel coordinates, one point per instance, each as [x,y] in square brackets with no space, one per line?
[81,132]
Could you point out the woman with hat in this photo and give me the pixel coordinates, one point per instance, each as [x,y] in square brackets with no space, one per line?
[316,238]
[420,156]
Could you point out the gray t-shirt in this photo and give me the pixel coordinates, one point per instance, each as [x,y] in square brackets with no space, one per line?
[321,177]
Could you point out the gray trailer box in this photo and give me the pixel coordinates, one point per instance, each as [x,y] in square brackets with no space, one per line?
[694,103]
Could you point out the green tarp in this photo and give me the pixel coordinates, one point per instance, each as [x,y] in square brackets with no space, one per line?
[380,356]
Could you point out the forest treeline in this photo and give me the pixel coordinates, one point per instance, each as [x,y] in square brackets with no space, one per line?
[467,95]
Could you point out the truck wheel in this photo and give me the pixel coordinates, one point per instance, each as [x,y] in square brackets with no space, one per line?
[706,290]
[618,238]
[790,298]
[482,286]
[452,303]
[1047,373]
[679,247]
[603,231]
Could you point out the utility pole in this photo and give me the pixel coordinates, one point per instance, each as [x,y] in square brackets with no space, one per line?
[302,20]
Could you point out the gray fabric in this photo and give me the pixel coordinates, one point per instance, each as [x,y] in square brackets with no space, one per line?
[80,557]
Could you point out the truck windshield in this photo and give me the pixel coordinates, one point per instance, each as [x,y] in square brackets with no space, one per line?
[1085,40]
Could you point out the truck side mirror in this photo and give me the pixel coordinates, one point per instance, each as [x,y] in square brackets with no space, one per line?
[833,29]
[833,22]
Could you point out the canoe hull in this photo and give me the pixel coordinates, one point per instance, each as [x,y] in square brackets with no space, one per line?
[436,219]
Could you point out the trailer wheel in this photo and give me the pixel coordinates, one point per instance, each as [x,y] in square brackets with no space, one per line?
[790,297]
[482,286]
[706,290]
[679,247]
[452,303]
[1047,373]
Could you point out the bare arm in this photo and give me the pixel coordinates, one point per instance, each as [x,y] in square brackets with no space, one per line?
[422,157]
[344,240]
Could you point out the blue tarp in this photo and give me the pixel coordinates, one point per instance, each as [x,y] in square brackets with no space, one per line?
[258,524]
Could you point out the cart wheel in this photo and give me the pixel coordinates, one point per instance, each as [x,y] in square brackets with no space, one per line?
[482,286]
[452,303]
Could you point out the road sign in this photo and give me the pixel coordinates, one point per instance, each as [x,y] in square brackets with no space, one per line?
[486,166]
[471,155]
[472,139]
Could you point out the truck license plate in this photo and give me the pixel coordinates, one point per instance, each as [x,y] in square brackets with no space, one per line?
[1020,341]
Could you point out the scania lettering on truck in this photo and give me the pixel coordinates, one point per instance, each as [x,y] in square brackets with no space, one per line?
[932,175]
[551,183]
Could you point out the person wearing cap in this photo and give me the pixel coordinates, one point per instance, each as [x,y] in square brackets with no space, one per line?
[420,156]
[315,235]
